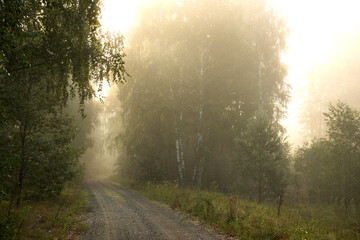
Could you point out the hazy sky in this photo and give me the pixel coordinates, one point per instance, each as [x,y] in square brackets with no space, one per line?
[315,27]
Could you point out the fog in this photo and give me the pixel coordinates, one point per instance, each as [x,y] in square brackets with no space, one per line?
[101,155]
[313,43]
[206,75]
[257,100]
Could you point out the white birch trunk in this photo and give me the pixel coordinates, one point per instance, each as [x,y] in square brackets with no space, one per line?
[178,156]
[198,171]
[178,132]
[181,145]
[260,79]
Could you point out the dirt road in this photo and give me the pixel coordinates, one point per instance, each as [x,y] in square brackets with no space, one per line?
[120,213]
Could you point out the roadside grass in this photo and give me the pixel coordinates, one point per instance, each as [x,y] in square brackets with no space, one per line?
[244,219]
[57,218]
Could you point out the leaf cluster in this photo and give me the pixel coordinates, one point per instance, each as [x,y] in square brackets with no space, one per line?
[327,169]
[51,51]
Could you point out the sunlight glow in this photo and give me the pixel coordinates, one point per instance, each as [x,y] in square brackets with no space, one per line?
[119,15]
[105,89]
[316,26]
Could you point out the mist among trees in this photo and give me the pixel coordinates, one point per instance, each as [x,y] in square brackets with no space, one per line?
[204,97]
[52,52]
[204,106]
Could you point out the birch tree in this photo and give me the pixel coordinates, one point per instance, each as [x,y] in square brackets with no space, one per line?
[203,129]
[195,73]
[178,123]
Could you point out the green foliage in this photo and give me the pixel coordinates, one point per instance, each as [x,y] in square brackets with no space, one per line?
[343,124]
[11,33]
[58,218]
[53,159]
[64,39]
[52,51]
[327,169]
[263,157]
[314,171]
[36,142]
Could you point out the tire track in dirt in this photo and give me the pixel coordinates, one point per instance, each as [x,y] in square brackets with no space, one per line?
[120,213]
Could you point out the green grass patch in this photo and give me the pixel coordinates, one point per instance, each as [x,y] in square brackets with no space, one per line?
[58,218]
[243,219]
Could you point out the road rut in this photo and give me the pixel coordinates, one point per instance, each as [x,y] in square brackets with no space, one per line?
[120,213]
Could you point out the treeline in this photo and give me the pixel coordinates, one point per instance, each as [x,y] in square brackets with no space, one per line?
[51,52]
[208,86]
[204,106]
[326,170]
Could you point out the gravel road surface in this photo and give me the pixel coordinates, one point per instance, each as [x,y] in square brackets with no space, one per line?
[120,213]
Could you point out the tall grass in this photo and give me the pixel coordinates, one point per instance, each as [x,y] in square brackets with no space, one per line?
[58,218]
[244,219]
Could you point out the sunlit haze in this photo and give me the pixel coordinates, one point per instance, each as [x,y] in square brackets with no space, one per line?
[119,15]
[241,114]
[315,28]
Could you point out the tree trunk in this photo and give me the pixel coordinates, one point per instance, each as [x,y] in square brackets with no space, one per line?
[200,148]
[347,194]
[281,200]
[22,164]
[205,47]
[260,80]
[178,131]
[23,133]
[259,189]
[181,145]
[260,180]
